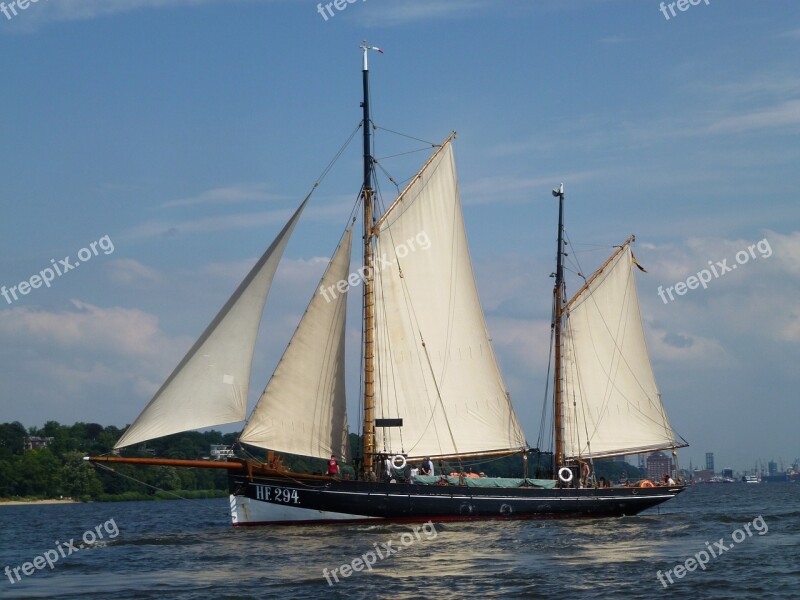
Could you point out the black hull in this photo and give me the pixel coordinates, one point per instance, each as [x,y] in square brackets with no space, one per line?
[274,499]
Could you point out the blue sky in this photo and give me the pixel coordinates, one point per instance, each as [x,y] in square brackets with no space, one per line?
[188,131]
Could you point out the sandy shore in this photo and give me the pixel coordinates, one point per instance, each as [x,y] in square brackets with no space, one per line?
[27,502]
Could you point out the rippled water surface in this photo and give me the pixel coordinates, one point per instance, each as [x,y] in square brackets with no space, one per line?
[187,550]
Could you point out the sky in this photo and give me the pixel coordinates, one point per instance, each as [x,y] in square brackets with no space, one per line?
[183,134]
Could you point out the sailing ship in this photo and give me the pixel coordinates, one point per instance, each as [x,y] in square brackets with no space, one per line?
[432,387]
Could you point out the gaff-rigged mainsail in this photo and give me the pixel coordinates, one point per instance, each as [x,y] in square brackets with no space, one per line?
[436,369]
[611,401]
[302,410]
[209,387]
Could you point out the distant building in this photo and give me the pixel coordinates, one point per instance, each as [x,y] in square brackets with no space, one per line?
[710,461]
[35,442]
[221,452]
[772,467]
[706,475]
[727,473]
[658,465]
[642,458]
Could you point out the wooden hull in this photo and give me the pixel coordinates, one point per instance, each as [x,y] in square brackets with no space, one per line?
[260,495]
[283,499]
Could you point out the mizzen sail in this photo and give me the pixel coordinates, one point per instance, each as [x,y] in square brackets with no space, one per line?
[436,369]
[302,410]
[611,401]
[209,387]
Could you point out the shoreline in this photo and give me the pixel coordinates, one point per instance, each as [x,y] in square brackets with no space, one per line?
[35,502]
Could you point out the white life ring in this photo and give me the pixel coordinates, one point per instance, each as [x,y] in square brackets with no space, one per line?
[565,477]
[402,464]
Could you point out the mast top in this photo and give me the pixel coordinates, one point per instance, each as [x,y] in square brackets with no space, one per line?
[367,48]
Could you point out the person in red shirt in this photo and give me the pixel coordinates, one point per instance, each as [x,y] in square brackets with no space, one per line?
[333,466]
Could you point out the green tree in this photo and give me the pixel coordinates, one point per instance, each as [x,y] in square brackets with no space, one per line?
[38,473]
[79,479]
[59,468]
[12,439]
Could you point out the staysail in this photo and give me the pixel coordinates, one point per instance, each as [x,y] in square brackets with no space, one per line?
[209,387]
[436,369]
[302,410]
[611,401]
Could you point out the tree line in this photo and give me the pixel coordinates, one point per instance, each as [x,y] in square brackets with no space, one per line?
[58,470]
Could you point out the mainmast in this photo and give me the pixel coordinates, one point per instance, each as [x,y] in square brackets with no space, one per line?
[368,432]
[559,300]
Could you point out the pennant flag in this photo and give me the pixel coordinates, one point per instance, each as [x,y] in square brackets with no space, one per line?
[636,262]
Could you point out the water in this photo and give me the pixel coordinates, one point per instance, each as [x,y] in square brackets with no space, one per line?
[186,550]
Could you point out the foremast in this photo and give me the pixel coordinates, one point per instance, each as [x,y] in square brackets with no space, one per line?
[368,431]
[603,366]
[560,308]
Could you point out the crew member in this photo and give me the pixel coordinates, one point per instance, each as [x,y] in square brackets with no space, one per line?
[333,466]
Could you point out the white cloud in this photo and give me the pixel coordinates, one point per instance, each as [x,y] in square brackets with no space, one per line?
[687,348]
[45,11]
[794,33]
[122,331]
[499,189]
[782,115]
[327,209]
[522,342]
[771,86]
[84,360]
[744,317]
[786,248]
[226,195]
[131,273]
[167,228]
[410,11]
[293,275]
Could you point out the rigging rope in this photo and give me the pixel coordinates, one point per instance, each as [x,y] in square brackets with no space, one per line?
[121,474]
[336,157]
[375,128]
[546,403]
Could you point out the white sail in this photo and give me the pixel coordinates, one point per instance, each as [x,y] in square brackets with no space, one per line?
[436,369]
[302,409]
[209,387]
[611,401]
